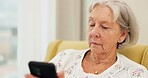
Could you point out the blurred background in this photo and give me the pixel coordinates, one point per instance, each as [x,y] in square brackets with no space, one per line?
[8,38]
[27,26]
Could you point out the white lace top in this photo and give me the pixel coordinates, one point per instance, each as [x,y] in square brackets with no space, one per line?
[70,62]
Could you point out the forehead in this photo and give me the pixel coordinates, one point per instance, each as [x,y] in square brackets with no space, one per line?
[102,13]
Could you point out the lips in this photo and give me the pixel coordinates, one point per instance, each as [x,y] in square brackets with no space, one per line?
[94,43]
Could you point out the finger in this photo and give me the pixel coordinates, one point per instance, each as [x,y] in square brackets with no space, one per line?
[61,74]
[30,76]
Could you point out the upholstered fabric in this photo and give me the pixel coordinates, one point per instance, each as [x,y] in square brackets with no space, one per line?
[137,53]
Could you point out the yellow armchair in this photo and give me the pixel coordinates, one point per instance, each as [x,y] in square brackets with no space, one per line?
[137,53]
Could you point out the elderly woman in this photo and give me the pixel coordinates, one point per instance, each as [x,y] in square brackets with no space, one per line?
[112,26]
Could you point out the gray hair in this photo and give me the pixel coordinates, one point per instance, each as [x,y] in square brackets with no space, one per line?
[124,16]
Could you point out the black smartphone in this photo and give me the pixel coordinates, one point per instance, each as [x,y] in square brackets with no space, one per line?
[42,69]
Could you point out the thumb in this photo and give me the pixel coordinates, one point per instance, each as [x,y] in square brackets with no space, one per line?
[61,74]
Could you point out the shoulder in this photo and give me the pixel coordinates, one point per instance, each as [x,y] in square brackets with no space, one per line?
[66,57]
[128,63]
[69,53]
[133,69]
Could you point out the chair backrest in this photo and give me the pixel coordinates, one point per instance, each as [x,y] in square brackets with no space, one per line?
[137,53]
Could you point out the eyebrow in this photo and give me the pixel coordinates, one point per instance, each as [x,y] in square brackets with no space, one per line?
[90,18]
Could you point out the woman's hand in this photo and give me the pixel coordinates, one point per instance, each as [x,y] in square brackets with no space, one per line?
[30,76]
[59,74]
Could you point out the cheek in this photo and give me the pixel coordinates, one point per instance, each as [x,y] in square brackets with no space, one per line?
[89,35]
[89,38]
[110,37]
[109,41]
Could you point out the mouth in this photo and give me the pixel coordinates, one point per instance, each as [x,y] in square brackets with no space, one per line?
[94,43]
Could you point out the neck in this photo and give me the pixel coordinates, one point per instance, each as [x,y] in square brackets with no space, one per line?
[104,57]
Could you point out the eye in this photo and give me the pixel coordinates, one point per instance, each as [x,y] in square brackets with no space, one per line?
[105,26]
[91,23]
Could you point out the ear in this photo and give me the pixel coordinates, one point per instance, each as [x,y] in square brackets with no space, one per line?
[123,36]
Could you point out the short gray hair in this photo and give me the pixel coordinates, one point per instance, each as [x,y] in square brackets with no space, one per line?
[124,16]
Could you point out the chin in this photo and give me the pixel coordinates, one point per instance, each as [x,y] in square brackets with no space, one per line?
[95,47]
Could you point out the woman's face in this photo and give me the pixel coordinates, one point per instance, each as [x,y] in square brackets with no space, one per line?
[103,33]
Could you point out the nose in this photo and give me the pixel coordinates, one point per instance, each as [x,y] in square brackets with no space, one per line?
[95,32]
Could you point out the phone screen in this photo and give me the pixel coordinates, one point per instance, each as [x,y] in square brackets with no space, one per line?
[42,69]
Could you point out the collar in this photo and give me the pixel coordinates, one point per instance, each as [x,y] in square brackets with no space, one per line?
[117,66]
[114,69]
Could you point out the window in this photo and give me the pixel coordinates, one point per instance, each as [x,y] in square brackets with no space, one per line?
[8,38]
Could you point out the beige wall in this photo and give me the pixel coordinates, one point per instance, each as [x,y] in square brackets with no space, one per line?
[139,7]
[68,19]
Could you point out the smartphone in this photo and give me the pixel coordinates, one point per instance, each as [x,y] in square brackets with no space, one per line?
[42,69]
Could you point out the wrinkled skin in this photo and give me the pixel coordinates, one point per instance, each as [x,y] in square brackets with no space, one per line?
[103,33]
